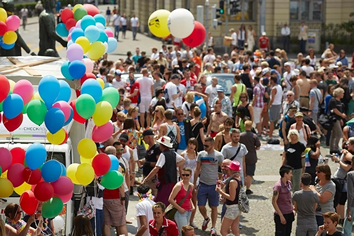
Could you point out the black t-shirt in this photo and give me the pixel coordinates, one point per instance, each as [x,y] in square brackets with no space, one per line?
[293,154]
[338,233]
[334,103]
[151,156]
[272,61]
[322,86]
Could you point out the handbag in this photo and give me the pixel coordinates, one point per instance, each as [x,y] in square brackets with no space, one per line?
[88,209]
[141,149]
[171,210]
[243,203]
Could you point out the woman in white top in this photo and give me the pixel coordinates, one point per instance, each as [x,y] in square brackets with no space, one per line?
[251,35]
[159,118]
[123,24]
[312,57]
[241,36]
[118,125]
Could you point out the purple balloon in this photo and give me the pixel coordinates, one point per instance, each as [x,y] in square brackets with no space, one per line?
[74,52]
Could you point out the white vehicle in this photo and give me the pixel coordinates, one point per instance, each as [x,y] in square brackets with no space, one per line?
[29,132]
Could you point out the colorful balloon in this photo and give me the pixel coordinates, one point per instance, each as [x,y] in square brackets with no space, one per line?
[28,202]
[3,28]
[74,52]
[64,107]
[77,69]
[87,21]
[12,124]
[9,37]
[102,133]
[85,106]
[197,37]
[101,164]
[76,116]
[110,95]
[12,106]
[24,88]
[99,18]
[43,191]
[36,111]
[87,148]
[31,176]
[65,70]
[14,174]
[180,23]
[35,155]
[157,23]
[91,9]
[48,89]
[80,13]
[112,180]
[71,172]
[85,174]
[64,92]
[96,50]
[18,155]
[51,171]
[6,188]
[13,22]
[93,88]
[84,43]
[52,208]
[103,113]
[54,120]
[6,158]
[114,162]
[112,45]
[5,87]
[66,14]
[61,30]
[3,15]
[63,186]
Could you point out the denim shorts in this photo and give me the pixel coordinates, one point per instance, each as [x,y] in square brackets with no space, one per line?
[207,192]
[232,212]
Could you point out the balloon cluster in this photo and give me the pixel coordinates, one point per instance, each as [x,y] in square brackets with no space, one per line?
[8,26]
[88,39]
[180,23]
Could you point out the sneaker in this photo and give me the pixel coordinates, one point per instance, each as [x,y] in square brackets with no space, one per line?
[205,223]
[249,191]
[213,232]
[193,225]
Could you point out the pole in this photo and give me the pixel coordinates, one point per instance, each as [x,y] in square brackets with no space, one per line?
[262,18]
[227,13]
[207,23]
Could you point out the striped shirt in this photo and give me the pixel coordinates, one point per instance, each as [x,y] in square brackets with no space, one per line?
[259,90]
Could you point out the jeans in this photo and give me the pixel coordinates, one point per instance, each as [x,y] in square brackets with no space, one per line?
[319,220]
[182,219]
[303,46]
[116,31]
[283,230]
[348,225]
[336,135]
[240,43]
[134,31]
[295,180]
[306,230]
[97,223]
[286,40]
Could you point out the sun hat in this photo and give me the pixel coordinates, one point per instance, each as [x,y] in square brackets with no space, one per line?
[166,141]
[234,166]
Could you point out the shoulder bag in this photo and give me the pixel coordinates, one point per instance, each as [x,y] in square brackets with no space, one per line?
[171,210]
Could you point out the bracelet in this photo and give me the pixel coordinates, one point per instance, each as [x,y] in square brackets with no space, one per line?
[122,198]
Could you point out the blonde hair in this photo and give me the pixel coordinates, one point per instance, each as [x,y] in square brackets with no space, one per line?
[283,54]
[121,115]
[190,97]
[131,110]
[293,131]
[337,91]
[2,227]
[161,112]
[248,124]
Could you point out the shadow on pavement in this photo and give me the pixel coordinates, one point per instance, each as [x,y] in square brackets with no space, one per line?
[249,231]
[257,182]
[132,229]
[257,197]
[202,233]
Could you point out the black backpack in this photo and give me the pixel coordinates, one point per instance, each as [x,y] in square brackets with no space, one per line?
[173,138]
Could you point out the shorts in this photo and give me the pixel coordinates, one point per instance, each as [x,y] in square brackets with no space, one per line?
[144,105]
[207,193]
[250,169]
[213,134]
[257,111]
[274,113]
[113,212]
[232,212]
[135,154]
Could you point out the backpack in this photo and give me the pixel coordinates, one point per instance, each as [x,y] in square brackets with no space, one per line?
[173,137]
[287,120]
[167,97]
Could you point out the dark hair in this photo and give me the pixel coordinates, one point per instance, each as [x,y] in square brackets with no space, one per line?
[237,77]
[143,188]
[332,216]
[245,66]
[306,179]
[274,78]
[307,61]
[195,142]
[82,226]
[311,143]
[293,78]
[303,73]
[116,143]
[325,169]
[272,53]
[209,139]
[168,115]
[256,78]
[193,105]
[11,209]
[285,169]
[128,123]
[159,205]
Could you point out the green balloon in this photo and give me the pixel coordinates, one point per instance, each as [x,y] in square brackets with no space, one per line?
[110,95]
[52,208]
[79,13]
[0,170]
[24,109]
[112,180]
[1,106]
[36,110]
[85,106]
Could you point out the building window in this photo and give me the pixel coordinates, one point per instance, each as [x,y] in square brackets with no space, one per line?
[241,10]
[306,10]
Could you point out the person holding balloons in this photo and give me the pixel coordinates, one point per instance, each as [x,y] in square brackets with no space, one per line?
[47,226]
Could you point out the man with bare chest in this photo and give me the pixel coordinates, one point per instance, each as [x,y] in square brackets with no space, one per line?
[304,84]
[216,119]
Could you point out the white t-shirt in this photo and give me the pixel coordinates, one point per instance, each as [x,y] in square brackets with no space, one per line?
[209,58]
[144,208]
[116,20]
[118,84]
[123,20]
[171,90]
[134,21]
[154,56]
[234,39]
[161,161]
[145,87]
[126,167]
[24,12]
[179,99]
[97,202]
[287,77]
[307,69]
[212,93]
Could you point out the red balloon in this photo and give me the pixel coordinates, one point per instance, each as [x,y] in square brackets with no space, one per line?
[65,198]
[63,186]
[78,92]
[14,174]
[66,14]
[12,124]
[4,83]
[76,117]
[28,202]
[101,163]
[70,23]
[197,37]
[31,176]
[3,28]
[91,9]
[66,137]
[87,76]
[18,155]
[43,191]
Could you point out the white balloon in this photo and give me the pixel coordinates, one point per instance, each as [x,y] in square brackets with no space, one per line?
[180,23]
[106,47]
[58,223]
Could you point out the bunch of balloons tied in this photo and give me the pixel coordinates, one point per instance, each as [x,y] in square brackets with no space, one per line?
[8,26]
[88,39]
[179,23]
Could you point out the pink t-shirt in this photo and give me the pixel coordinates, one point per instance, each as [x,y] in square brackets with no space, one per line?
[187,202]
[284,197]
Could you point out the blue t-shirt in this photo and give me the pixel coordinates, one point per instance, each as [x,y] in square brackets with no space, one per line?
[202,106]
[182,144]
[326,102]
[136,58]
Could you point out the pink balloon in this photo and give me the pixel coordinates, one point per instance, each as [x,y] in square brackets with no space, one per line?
[74,52]
[78,24]
[102,133]
[197,37]
[63,186]
[89,64]
[65,107]
[14,174]
[5,159]
[24,88]
[65,198]
[13,22]
[109,33]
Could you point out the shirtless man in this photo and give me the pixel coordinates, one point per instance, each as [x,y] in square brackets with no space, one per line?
[304,84]
[216,119]
[223,137]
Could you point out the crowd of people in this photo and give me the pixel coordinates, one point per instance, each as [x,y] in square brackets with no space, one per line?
[196,145]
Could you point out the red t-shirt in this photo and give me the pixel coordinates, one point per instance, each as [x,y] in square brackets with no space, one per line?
[132,88]
[169,228]
[263,42]
[111,194]
[192,82]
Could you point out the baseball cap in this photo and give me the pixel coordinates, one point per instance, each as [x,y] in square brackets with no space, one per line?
[148,132]
[287,64]
[293,107]
[117,72]
[299,114]
[265,71]
[220,89]
[124,137]
[264,33]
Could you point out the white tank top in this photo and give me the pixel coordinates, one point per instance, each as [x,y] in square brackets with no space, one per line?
[241,35]
[126,156]
[278,95]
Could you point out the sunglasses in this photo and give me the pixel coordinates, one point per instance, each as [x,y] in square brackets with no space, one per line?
[180,114]
[185,175]
[120,149]
[242,97]
[289,95]
[18,212]
[206,146]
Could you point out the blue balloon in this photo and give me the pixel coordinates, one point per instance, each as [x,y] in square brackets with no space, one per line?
[107,85]
[48,89]
[69,43]
[112,45]
[100,26]
[92,33]
[99,18]
[92,87]
[35,155]
[54,120]
[103,37]
[86,21]
[65,92]
[61,30]
[77,32]
[65,70]
[12,106]
[77,69]
[70,117]
[51,171]
[63,169]
[114,162]
[7,46]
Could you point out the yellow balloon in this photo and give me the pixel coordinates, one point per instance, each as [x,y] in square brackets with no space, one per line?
[4,174]
[6,188]
[9,37]
[158,23]
[76,7]
[56,138]
[103,113]
[71,172]
[87,148]
[85,160]
[96,50]
[101,82]
[12,84]
[85,174]
[37,96]
[22,188]
[84,43]
[3,15]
